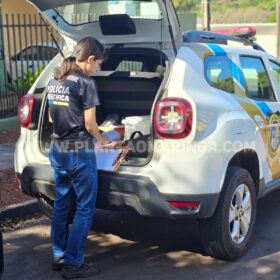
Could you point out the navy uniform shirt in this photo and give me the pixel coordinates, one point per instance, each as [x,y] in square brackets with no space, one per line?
[67,101]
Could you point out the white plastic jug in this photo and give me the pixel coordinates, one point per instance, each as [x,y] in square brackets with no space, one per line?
[137,123]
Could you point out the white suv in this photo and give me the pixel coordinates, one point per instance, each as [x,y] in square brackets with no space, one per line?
[214,103]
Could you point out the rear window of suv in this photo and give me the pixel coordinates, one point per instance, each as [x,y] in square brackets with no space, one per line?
[218,73]
[82,13]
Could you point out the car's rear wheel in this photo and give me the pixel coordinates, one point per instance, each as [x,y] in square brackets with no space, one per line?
[227,233]
[46,206]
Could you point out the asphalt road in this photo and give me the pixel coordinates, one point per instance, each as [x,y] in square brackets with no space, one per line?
[133,248]
[7,157]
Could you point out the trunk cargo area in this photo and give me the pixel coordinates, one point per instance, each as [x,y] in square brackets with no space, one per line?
[128,85]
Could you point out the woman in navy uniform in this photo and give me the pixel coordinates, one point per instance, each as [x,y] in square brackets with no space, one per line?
[72,99]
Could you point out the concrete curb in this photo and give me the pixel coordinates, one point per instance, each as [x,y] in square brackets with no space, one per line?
[21,210]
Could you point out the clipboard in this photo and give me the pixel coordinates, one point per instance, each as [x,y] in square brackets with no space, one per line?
[110,159]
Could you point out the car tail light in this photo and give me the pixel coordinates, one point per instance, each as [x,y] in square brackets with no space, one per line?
[173,118]
[185,205]
[25,110]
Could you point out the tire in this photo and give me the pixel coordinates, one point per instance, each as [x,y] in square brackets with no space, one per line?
[46,206]
[226,237]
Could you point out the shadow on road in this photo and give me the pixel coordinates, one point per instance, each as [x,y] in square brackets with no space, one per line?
[150,248]
[168,235]
[185,235]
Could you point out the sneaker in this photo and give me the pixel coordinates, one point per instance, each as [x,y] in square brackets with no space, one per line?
[82,271]
[58,263]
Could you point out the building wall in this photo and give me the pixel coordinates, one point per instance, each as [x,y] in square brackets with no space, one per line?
[17,7]
[14,38]
[16,12]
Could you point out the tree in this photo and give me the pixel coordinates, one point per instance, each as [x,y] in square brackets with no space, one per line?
[186,5]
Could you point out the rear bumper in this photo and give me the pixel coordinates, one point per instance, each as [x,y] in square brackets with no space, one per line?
[118,191]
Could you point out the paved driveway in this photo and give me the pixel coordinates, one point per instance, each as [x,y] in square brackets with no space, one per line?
[134,248]
[7,157]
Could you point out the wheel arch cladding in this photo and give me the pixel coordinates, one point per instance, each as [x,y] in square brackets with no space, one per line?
[248,159]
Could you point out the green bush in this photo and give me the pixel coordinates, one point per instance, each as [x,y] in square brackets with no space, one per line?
[23,83]
[234,11]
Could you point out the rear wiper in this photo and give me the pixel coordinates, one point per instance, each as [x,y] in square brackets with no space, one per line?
[170,29]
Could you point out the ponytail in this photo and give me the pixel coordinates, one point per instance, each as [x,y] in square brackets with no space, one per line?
[82,51]
[67,68]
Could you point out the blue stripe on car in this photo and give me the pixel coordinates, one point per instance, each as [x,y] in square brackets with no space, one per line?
[217,49]
[264,107]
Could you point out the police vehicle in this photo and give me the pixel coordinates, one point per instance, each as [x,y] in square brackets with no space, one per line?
[214,106]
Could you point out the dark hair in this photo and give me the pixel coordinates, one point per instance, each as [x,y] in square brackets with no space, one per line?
[82,51]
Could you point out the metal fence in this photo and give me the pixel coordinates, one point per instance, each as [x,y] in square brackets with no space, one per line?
[26,47]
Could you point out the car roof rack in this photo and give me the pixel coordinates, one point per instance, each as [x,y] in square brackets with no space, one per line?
[220,39]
